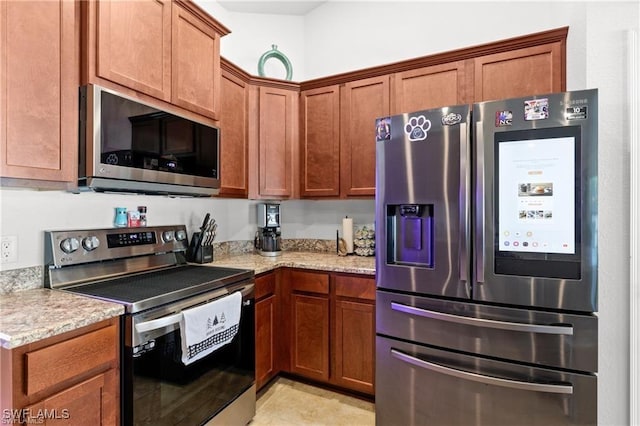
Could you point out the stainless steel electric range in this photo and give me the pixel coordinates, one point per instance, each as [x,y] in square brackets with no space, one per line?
[145,270]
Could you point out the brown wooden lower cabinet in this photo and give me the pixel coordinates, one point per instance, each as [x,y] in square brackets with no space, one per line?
[316,325]
[328,328]
[81,404]
[265,335]
[310,344]
[353,339]
[72,378]
[266,320]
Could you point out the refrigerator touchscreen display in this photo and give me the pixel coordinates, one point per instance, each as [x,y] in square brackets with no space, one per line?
[537,195]
[537,202]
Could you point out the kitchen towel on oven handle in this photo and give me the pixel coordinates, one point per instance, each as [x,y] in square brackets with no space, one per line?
[208,327]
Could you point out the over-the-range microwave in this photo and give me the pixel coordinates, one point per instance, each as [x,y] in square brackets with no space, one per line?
[127,145]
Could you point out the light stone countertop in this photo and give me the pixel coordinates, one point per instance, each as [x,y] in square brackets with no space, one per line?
[31,315]
[307,260]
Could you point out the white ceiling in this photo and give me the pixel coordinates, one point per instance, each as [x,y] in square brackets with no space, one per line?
[270,7]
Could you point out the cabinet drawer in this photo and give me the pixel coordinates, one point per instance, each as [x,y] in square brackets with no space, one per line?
[265,285]
[56,363]
[312,282]
[356,287]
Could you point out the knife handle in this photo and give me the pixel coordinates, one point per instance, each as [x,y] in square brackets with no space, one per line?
[204,222]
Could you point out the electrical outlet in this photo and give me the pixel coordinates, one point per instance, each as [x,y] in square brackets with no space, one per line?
[9,249]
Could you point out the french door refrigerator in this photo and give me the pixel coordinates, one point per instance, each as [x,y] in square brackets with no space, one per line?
[486,267]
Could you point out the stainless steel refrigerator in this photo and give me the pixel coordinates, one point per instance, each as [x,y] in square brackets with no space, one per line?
[486,263]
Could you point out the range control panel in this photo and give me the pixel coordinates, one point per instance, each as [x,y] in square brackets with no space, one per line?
[63,248]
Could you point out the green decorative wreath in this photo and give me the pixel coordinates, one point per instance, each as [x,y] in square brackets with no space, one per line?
[275,53]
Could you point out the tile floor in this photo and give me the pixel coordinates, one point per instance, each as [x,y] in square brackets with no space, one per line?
[286,402]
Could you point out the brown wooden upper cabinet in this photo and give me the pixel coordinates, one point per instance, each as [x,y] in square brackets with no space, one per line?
[276,145]
[169,50]
[234,128]
[338,137]
[195,63]
[320,142]
[39,90]
[133,44]
[361,102]
[521,66]
[430,87]
[520,72]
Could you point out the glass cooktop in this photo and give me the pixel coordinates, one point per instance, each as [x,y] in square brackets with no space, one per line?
[150,289]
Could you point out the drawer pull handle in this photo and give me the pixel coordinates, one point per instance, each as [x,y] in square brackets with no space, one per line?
[480,322]
[480,378]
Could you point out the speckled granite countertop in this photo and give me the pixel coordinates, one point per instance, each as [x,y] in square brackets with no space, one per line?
[31,315]
[306,260]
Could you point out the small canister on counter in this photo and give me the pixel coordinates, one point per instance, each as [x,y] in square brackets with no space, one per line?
[120,219]
[134,218]
[142,210]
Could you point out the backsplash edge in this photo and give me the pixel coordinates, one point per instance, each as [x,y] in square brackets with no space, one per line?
[32,277]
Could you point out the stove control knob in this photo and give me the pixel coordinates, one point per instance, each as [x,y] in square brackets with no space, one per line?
[69,245]
[90,243]
[181,235]
[167,236]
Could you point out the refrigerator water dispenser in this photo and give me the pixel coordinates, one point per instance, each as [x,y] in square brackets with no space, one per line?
[410,234]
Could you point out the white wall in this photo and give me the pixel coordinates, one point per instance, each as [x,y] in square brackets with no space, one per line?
[348,35]
[27,214]
[253,34]
[606,68]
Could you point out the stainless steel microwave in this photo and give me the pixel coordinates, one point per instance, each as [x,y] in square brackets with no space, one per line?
[129,146]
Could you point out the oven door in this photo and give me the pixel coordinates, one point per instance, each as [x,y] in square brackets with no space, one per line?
[158,389]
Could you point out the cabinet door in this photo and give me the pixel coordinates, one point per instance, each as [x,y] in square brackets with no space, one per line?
[277,111]
[361,102]
[354,345]
[195,64]
[39,77]
[310,340]
[430,87]
[265,340]
[233,136]
[520,72]
[91,402]
[134,45]
[320,142]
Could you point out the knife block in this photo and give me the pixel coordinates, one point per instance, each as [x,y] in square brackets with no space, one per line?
[198,253]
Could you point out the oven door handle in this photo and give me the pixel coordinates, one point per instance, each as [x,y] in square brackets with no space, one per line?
[158,323]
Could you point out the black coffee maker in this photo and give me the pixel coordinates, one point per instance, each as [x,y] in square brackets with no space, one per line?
[268,237]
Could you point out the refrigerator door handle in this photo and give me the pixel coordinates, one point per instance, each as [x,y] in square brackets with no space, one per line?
[480,322]
[480,200]
[488,380]
[464,200]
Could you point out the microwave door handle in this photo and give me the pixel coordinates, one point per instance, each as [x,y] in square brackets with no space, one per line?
[481,378]
[487,323]
[158,323]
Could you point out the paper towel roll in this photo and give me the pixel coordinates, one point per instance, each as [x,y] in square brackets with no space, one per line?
[347,233]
